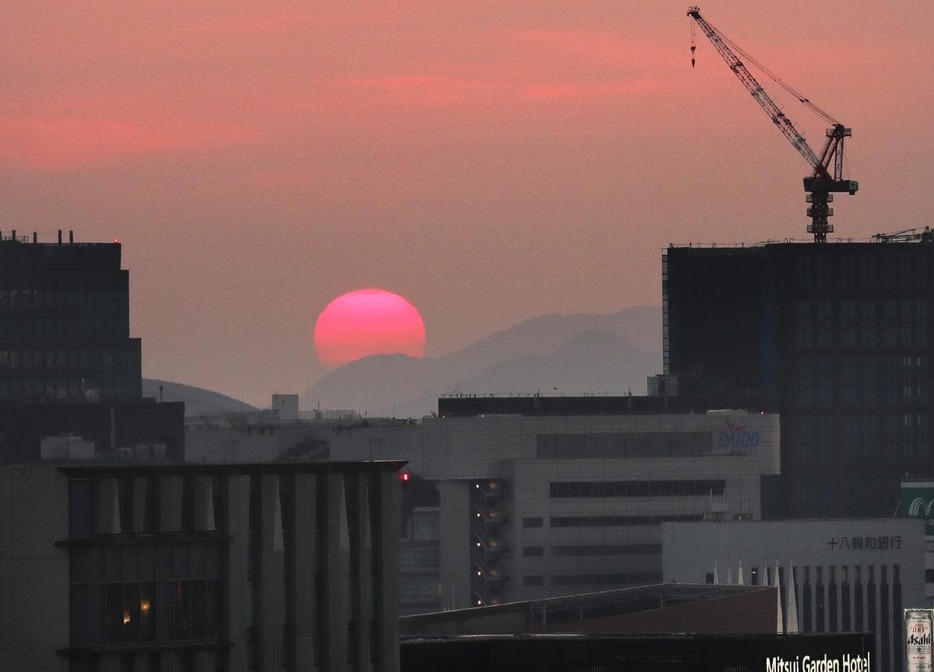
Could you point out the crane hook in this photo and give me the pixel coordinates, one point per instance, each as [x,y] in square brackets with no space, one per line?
[693,44]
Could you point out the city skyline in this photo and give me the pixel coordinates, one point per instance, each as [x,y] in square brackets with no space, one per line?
[489,162]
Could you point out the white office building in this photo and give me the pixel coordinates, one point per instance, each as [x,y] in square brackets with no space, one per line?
[553,505]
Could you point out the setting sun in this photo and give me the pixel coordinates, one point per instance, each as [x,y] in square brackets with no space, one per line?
[368,322]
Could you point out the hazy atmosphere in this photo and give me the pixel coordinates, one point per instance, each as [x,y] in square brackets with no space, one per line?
[489,161]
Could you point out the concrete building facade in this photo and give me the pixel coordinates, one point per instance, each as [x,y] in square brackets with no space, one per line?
[199,567]
[834,575]
[539,506]
[527,498]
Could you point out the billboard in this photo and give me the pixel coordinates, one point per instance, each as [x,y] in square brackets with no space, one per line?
[918,626]
[686,652]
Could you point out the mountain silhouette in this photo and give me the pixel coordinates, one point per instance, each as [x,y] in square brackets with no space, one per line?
[198,401]
[551,354]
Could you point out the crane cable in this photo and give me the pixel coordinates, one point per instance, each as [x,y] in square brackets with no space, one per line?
[771,75]
[693,44]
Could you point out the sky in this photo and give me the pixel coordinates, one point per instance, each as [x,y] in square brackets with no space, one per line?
[490,161]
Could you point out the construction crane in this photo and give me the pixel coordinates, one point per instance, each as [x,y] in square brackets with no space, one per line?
[925,235]
[821,185]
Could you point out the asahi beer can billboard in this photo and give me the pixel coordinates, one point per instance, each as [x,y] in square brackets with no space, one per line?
[918,626]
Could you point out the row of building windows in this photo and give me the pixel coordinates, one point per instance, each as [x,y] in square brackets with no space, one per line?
[114,563]
[610,521]
[119,359]
[646,488]
[895,323]
[103,301]
[420,557]
[622,445]
[136,578]
[61,330]
[566,580]
[413,589]
[118,613]
[865,271]
[903,436]
[861,381]
[43,388]
[592,549]
[145,592]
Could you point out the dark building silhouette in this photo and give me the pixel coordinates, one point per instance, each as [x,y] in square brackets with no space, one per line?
[70,375]
[837,336]
[63,431]
[646,652]
[65,322]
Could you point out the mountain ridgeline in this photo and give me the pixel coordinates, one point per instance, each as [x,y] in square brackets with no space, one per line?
[550,355]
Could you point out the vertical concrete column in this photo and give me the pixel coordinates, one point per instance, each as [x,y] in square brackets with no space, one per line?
[238,527]
[34,579]
[269,575]
[7,532]
[455,544]
[171,489]
[107,507]
[335,575]
[140,492]
[361,564]
[203,502]
[385,530]
[303,546]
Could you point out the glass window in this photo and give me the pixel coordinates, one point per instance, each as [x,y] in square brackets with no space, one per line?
[804,335]
[80,508]
[825,384]
[824,427]
[113,563]
[804,381]
[181,561]
[131,563]
[147,562]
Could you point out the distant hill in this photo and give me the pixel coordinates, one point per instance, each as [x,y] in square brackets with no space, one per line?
[198,401]
[551,354]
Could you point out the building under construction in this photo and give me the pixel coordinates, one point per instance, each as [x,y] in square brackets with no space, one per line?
[836,336]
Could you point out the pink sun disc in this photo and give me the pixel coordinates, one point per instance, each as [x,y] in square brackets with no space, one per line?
[368,322]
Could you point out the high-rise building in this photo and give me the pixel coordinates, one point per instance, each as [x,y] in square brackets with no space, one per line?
[65,322]
[70,375]
[837,336]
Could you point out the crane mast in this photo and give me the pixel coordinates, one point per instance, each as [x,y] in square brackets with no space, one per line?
[821,184]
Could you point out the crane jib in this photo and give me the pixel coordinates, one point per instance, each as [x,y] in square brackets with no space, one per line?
[823,183]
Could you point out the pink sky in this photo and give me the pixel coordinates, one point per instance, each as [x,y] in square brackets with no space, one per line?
[490,161]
